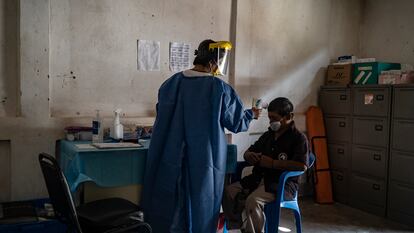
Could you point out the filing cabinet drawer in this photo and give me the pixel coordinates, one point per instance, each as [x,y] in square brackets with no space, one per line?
[338,156]
[369,160]
[338,128]
[335,101]
[402,135]
[402,167]
[368,194]
[403,102]
[340,185]
[401,203]
[371,131]
[371,101]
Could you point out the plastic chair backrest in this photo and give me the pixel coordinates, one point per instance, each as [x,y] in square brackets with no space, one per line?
[59,193]
[288,174]
[272,210]
[312,159]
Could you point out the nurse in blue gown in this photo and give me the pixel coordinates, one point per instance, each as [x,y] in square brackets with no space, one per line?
[186,161]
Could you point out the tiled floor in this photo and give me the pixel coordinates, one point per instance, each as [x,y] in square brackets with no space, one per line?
[338,218]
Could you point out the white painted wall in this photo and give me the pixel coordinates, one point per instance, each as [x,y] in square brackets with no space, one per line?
[93,48]
[282,49]
[96,39]
[387,30]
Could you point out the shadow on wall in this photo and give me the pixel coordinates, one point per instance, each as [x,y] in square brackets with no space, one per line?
[8,58]
[312,95]
[27,180]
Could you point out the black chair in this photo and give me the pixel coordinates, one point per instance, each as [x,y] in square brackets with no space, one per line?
[113,215]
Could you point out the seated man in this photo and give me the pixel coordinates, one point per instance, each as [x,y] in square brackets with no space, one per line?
[281,148]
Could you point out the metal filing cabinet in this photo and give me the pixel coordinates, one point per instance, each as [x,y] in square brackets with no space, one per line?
[368,193]
[372,161]
[335,101]
[370,146]
[401,169]
[340,185]
[373,100]
[370,131]
[339,155]
[336,104]
[403,133]
[338,128]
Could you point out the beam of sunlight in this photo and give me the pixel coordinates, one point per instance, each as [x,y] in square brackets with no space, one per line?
[298,84]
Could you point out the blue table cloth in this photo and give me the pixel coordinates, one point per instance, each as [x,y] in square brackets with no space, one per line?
[112,167]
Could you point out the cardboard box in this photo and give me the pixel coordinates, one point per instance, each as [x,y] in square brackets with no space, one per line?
[389,77]
[406,77]
[367,73]
[339,74]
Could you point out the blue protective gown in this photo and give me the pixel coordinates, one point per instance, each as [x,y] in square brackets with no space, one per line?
[186,161]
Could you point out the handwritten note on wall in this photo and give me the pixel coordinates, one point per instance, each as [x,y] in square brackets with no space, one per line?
[179,56]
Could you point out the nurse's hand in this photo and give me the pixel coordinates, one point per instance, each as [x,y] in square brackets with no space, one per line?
[256,112]
[252,157]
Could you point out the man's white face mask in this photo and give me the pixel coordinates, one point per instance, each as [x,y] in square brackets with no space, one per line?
[275,125]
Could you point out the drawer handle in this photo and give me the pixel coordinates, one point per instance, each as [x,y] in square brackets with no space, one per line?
[376,186]
[341,151]
[342,97]
[340,177]
[380,97]
[378,127]
[342,124]
[377,157]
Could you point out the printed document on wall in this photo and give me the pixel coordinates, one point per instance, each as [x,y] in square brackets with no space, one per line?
[148,55]
[179,56]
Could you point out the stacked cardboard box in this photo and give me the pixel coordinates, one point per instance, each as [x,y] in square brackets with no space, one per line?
[368,73]
[362,71]
[339,74]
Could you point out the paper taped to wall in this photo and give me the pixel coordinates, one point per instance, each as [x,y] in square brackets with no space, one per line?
[179,56]
[148,55]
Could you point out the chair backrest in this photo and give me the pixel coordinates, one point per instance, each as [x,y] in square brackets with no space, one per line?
[288,174]
[59,192]
[312,159]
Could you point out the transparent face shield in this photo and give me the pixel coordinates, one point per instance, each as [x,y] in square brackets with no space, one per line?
[223,62]
[222,49]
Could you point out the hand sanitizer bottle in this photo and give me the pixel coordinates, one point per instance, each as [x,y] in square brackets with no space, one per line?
[118,127]
[97,131]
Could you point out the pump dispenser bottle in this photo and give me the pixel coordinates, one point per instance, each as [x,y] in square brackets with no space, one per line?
[118,127]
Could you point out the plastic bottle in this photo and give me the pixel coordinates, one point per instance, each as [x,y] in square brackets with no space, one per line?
[97,130]
[118,127]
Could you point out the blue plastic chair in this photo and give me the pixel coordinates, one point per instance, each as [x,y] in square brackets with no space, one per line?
[272,210]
